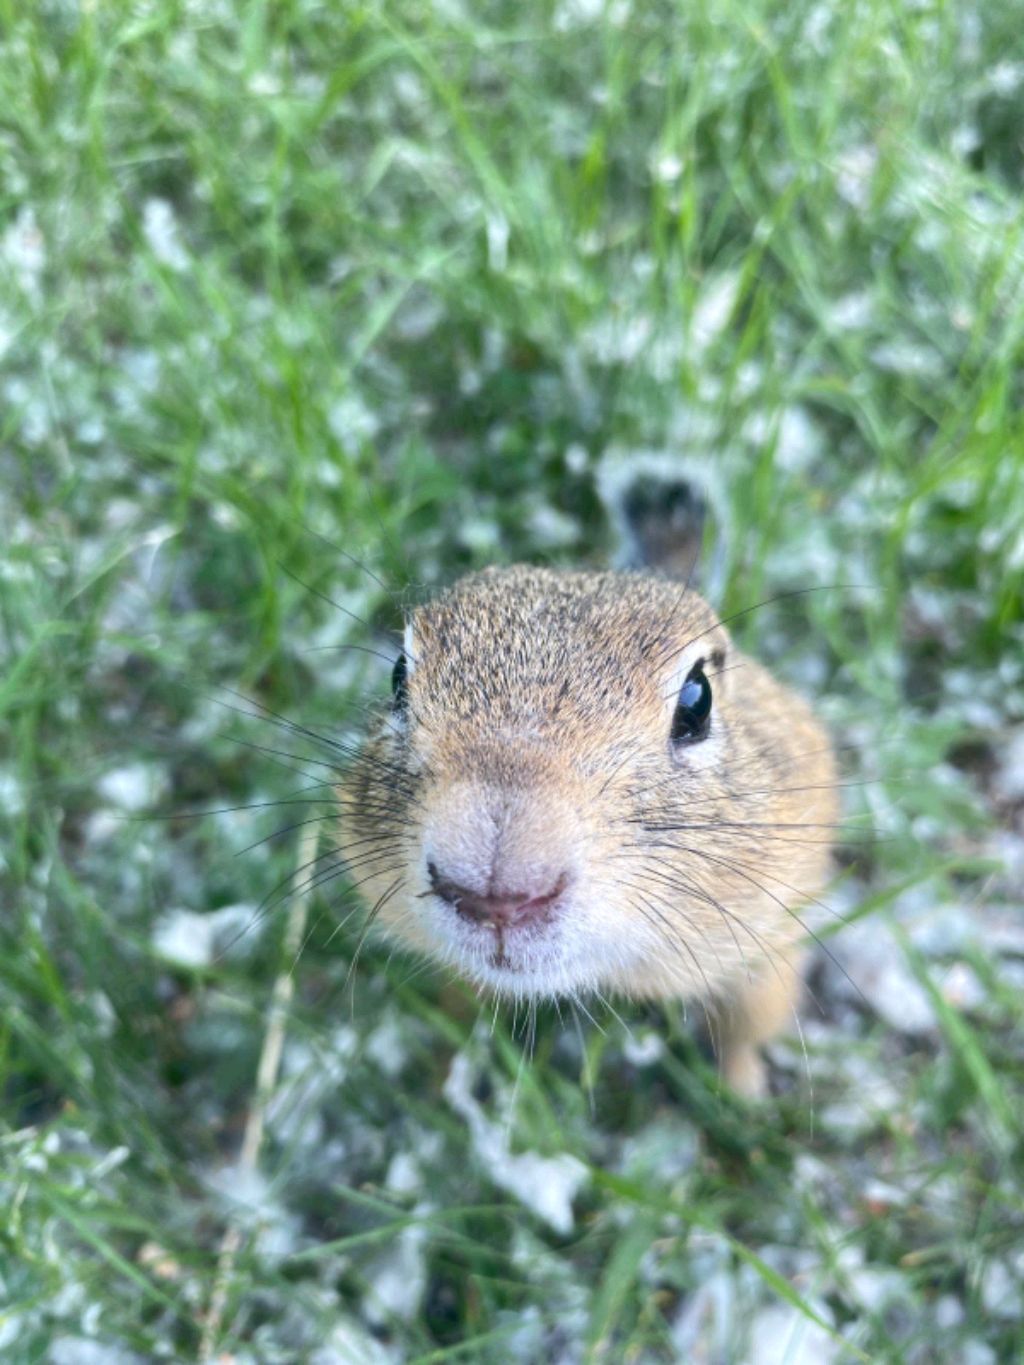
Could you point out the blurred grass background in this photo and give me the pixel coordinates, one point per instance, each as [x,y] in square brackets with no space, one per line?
[424,279]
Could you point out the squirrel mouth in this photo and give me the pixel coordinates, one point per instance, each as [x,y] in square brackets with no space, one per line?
[502,932]
[501,945]
[499,959]
[506,954]
[505,914]
[518,950]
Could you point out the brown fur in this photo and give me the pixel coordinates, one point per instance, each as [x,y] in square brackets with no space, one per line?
[537,739]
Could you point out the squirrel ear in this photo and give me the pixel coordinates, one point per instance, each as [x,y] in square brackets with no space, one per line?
[400,683]
[717,667]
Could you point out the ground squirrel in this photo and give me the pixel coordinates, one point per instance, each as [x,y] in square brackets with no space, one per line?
[582,785]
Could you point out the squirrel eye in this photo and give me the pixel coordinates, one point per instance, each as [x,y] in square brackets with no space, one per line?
[399,684]
[692,717]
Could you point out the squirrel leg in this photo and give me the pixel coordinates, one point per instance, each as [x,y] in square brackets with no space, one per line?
[760,1009]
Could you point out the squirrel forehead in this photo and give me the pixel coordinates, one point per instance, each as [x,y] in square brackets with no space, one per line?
[559,634]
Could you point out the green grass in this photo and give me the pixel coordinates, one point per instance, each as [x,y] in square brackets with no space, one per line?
[418,279]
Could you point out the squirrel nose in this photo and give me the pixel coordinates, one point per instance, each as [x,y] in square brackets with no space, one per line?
[498,908]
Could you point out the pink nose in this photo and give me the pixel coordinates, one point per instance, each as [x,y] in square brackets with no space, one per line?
[501,910]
